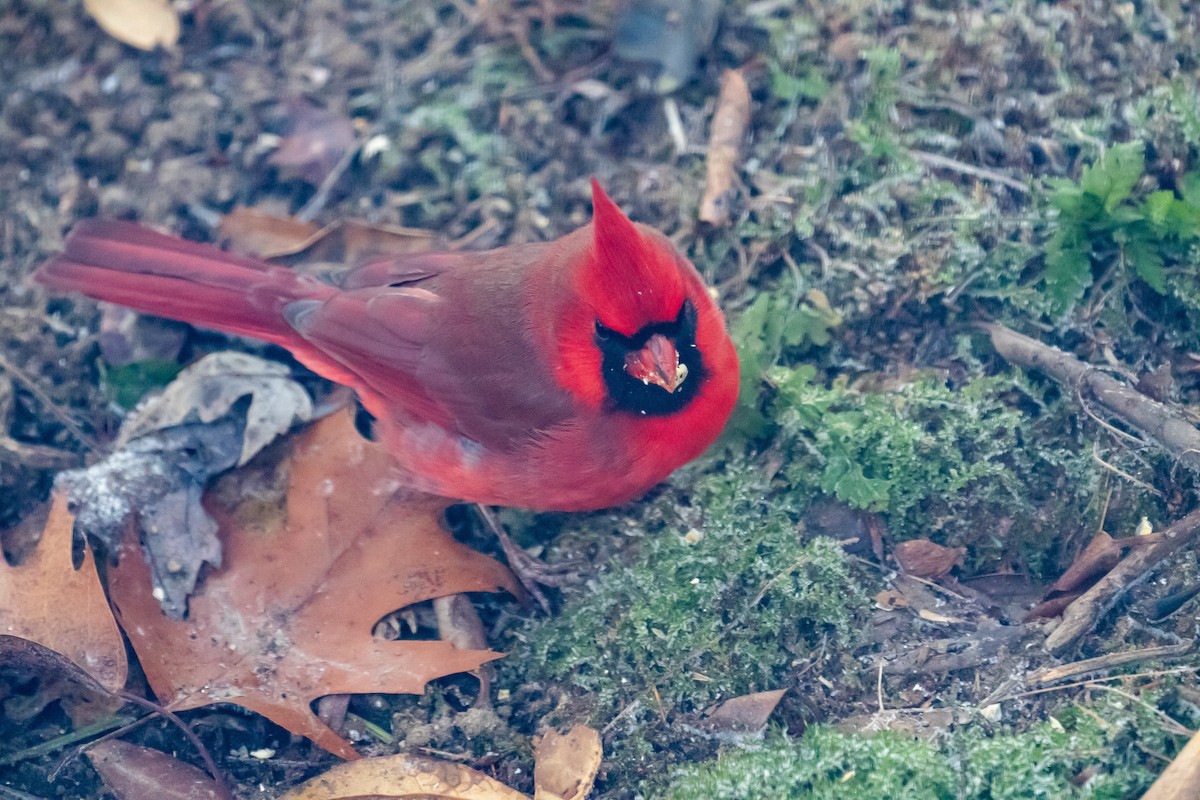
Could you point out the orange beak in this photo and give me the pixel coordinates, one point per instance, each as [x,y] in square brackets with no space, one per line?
[657,363]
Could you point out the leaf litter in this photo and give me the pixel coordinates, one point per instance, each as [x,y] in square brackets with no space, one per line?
[318,547]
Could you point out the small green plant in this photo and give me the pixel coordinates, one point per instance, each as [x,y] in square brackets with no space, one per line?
[775,323]
[1104,229]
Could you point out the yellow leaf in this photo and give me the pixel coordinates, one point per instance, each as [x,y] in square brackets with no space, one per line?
[144,24]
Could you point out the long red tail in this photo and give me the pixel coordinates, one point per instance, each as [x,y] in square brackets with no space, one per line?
[124,263]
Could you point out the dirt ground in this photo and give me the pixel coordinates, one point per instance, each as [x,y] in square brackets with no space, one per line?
[482,123]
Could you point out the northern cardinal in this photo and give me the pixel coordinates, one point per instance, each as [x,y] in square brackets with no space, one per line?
[566,375]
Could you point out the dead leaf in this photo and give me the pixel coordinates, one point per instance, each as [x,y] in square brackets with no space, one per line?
[317,140]
[565,765]
[350,243]
[208,389]
[1101,555]
[941,619]
[890,600]
[46,600]
[1181,779]
[132,772]
[144,24]
[402,777]
[925,559]
[59,680]
[155,483]
[265,235]
[288,616]
[746,714]
[1054,607]
[729,125]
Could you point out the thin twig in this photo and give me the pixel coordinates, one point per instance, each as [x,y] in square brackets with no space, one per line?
[935,160]
[62,416]
[221,786]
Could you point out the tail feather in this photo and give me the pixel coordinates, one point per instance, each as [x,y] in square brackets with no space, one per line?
[124,263]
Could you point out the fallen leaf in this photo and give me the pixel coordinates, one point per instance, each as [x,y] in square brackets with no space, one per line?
[144,24]
[47,601]
[925,559]
[306,575]
[265,235]
[133,772]
[1181,779]
[402,777]
[890,600]
[565,765]
[157,482]
[941,619]
[1101,555]
[1054,607]
[745,714]
[729,125]
[208,389]
[58,680]
[317,140]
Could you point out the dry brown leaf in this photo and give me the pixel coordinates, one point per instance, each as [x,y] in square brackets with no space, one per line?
[318,138]
[208,389]
[1054,607]
[925,559]
[941,619]
[565,765]
[266,235]
[890,600]
[745,714]
[724,143]
[144,24]
[46,600]
[288,617]
[402,777]
[1101,555]
[133,772]
[350,243]
[1181,779]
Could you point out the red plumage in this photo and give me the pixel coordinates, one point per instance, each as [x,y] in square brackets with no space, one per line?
[568,375]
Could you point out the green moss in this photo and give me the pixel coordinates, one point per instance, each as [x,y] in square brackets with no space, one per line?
[696,618]
[989,464]
[1080,757]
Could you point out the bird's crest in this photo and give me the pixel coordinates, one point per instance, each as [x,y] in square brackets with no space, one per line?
[633,277]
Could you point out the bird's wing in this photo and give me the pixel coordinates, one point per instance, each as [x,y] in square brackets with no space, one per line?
[436,339]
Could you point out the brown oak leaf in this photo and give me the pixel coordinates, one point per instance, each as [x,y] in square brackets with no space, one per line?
[46,600]
[288,617]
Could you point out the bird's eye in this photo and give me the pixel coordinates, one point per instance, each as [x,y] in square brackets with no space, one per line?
[602,333]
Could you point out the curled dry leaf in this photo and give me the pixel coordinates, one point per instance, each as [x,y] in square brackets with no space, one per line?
[1101,555]
[266,235]
[144,24]
[157,481]
[565,765]
[318,250]
[729,125]
[47,601]
[133,772]
[317,549]
[402,777]
[925,559]
[207,390]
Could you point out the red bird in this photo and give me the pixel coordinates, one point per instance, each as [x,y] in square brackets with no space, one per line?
[566,375]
